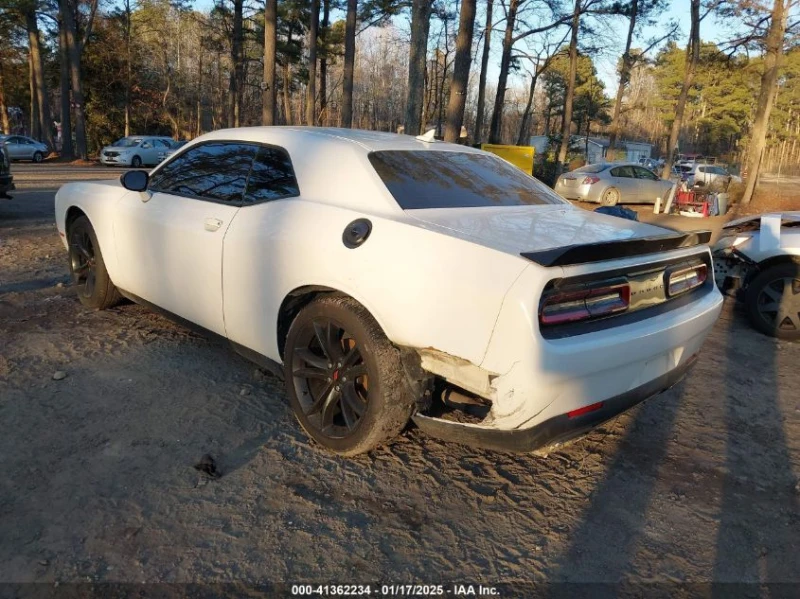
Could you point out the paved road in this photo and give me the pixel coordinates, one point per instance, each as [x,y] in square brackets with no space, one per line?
[53,176]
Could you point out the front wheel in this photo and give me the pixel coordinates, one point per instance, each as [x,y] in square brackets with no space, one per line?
[88,270]
[344,378]
[38,157]
[136,162]
[610,197]
[773,301]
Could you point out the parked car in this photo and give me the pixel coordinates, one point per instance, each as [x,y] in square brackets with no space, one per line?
[387,277]
[20,147]
[162,156]
[652,164]
[6,178]
[135,151]
[613,183]
[757,259]
[710,176]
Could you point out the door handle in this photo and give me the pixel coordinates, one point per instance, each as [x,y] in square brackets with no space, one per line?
[212,224]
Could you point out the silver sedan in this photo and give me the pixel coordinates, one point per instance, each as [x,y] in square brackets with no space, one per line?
[20,147]
[613,183]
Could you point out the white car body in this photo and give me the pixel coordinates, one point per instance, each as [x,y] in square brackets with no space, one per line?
[448,284]
[148,149]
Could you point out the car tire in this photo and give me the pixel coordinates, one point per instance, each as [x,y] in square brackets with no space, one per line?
[771,308]
[610,197]
[88,270]
[337,362]
[136,162]
[38,156]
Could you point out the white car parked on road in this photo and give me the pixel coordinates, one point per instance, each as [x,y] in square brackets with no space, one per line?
[135,151]
[388,277]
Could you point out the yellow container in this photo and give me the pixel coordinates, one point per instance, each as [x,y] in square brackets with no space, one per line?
[519,156]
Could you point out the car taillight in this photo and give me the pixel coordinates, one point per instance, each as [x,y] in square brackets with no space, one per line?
[590,180]
[574,306]
[686,279]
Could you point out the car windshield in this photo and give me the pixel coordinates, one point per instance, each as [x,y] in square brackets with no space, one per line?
[127,142]
[440,179]
[591,168]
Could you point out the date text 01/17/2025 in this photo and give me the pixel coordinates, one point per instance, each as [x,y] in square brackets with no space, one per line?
[394,590]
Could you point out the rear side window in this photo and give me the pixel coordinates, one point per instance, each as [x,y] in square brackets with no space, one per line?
[622,171]
[440,179]
[272,177]
[214,171]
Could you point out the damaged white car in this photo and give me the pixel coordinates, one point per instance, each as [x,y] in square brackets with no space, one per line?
[389,277]
[757,260]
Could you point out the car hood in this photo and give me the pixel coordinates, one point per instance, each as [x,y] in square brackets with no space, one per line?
[517,229]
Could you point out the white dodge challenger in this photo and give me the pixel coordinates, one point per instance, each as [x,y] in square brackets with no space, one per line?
[389,278]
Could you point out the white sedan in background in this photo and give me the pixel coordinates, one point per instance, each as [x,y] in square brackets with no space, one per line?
[388,277]
[135,151]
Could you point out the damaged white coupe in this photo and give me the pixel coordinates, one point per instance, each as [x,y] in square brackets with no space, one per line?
[390,278]
[757,260]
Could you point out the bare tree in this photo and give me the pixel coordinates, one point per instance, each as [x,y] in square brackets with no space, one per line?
[417,59]
[692,58]
[463,60]
[566,125]
[237,72]
[311,89]
[323,64]
[269,95]
[349,63]
[481,107]
[502,80]
[773,53]
[37,75]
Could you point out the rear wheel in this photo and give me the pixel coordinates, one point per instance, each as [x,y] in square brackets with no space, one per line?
[344,378]
[89,274]
[610,197]
[773,301]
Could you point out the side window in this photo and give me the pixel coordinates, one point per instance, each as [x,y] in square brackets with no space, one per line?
[216,171]
[160,143]
[642,173]
[272,177]
[622,171]
[146,145]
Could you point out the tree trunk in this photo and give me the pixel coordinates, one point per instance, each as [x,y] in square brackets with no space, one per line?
[33,106]
[566,125]
[323,65]
[74,52]
[487,36]
[128,68]
[766,97]
[3,109]
[692,58]
[458,85]
[624,76]
[37,66]
[66,149]
[523,139]
[417,59]
[269,96]
[311,89]
[496,128]
[349,63]
[287,81]
[236,75]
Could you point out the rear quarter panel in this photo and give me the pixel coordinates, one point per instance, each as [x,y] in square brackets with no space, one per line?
[424,288]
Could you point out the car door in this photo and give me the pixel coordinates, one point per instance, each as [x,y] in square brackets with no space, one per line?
[650,185]
[169,239]
[148,151]
[622,178]
[16,149]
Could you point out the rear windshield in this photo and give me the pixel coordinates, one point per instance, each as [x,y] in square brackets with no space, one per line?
[435,179]
[591,168]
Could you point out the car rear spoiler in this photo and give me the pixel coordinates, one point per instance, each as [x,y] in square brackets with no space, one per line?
[611,250]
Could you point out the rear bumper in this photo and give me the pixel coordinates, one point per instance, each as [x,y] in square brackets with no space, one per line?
[554,431]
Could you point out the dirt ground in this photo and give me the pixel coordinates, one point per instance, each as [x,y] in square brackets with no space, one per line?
[97,484]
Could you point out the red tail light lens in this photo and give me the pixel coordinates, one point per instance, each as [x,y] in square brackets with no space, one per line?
[574,306]
[686,279]
[590,180]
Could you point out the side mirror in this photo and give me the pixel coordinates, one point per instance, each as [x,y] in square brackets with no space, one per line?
[135,180]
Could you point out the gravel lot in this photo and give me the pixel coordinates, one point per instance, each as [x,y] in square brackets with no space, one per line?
[700,484]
